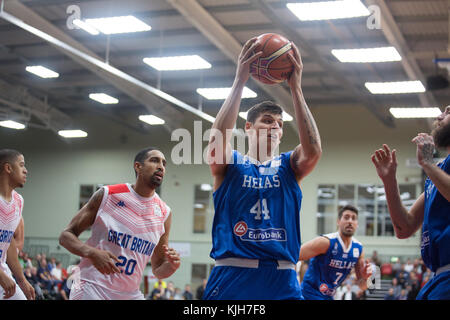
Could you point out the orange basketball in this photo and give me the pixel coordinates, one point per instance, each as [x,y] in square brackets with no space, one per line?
[274,65]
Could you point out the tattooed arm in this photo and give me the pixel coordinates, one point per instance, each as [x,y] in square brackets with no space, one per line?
[425,149]
[308,152]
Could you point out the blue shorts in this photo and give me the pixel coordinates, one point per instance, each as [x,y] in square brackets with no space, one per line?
[265,282]
[309,293]
[437,288]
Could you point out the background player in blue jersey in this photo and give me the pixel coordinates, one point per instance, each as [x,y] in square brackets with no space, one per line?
[333,256]
[431,209]
[257,198]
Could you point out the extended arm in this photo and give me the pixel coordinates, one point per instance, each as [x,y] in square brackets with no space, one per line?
[405,222]
[19,235]
[308,152]
[313,248]
[165,261]
[219,142]
[102,260]
[363,271]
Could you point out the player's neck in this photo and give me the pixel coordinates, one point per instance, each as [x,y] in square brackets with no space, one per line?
[143,190]
[255,154]
[346,239]
[6,189]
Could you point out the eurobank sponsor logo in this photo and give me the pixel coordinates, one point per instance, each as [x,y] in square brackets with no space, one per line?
[271,234]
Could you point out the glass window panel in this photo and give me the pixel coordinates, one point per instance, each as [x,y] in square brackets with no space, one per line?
[202,199]
[366,207]
[326,209]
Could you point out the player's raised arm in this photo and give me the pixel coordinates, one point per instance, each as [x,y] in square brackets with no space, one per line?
[102,260]
[219,141]
[308,152]
[405,222]
[313,248]
[165,261]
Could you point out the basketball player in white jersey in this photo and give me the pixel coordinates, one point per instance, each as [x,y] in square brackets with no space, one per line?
[130,225]
[13,174]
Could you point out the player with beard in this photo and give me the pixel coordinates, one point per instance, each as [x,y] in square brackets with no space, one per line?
[431,209]
[333,256]
[130,225]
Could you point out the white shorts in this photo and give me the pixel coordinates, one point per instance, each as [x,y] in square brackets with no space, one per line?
[18,295]
[91,291]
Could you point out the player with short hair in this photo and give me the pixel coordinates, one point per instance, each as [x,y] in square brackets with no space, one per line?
[13,174]
[431,210]
[257,197]
[130,225]
[333,257]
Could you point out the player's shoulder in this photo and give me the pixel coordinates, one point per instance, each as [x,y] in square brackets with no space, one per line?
[117,188]
[356,241]
[331,236]
[17,196]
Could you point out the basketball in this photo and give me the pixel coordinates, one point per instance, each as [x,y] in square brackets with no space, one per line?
[274,65]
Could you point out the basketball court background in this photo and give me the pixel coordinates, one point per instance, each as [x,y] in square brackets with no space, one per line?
[352,122]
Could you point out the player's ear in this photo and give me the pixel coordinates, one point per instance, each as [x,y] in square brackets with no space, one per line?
[7,167]
[137,167]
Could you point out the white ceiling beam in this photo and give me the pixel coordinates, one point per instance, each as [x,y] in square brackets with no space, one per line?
[156,101]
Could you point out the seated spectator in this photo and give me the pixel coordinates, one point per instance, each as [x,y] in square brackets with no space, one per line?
[187,294]
[408,266]
[396,286]
[403,295]
[390,295]
[169,292]
[177,295]
[348,293]
[386,270]
[414,286]
[201,290]
[375,258]
[33,279]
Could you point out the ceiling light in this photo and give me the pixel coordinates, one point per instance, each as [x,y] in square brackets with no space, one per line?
[151,119]
[114,25]
[395,87]
[42,72]
[178,63]
[103,98]
[223,93]
[72,133]
[415,112]
[286,116]
[12,124]
[328,10]
[86,27]
[383,54]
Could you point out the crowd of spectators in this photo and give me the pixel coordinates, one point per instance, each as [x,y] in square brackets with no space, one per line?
[163,290]
[46,275]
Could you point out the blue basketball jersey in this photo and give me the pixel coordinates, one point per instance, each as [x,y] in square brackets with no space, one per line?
[435,244]
[326,272]
[257,210]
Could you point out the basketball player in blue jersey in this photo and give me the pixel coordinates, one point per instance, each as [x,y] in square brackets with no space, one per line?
[333,256]
[257,197]
[431,209]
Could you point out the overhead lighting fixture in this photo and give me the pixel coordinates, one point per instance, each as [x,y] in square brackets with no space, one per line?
[191,62]
[115,25]
[151,119]
[415,112]
[103,98]
[395,87]
[72,133]
[86,27]
[368,55]
[12,124]
[286,116]
[42,72]
[327,10]
[223,93]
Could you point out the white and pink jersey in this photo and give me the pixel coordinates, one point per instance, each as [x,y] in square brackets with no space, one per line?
[129,226]
[10,214]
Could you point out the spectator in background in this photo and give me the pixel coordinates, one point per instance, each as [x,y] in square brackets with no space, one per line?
[177,295]
[375,258]
[169,292]
[396,286]
[403,295]
[200,290]
[349,294]
[187,294]
[340,292]
[414,286]
[409,266]
[33,279]
[390,295]
[52,264]
[56,272]
[397,267]
[27,263]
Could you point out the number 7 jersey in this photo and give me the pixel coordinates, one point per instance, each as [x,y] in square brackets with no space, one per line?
[257,210]
[129,226]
